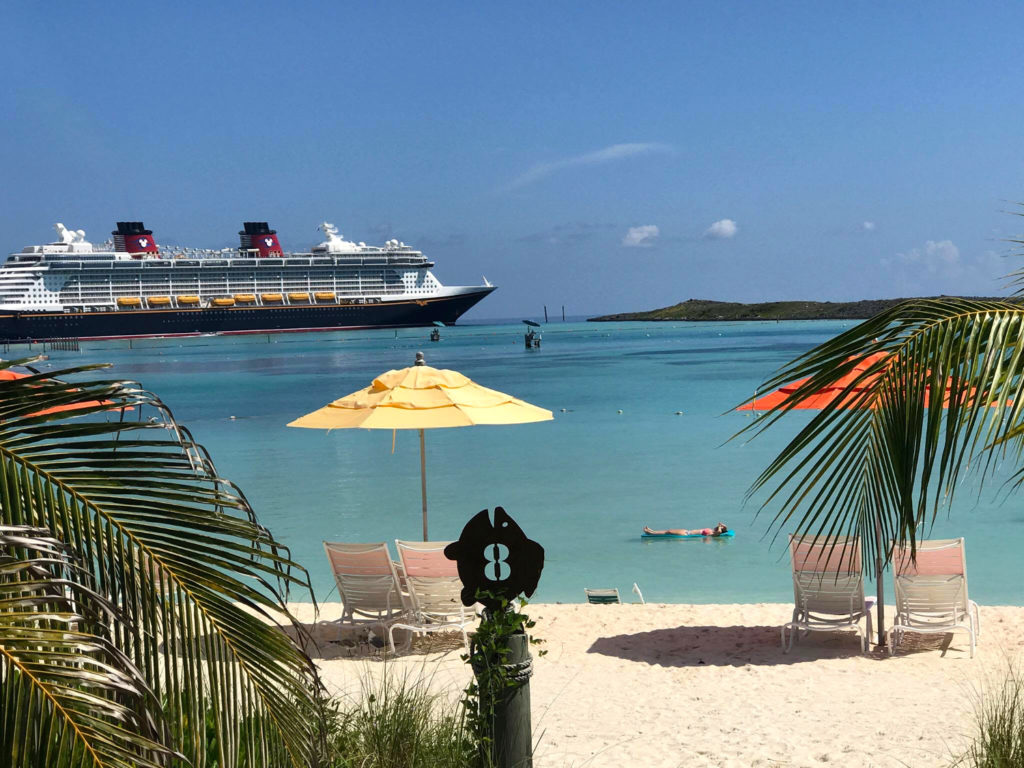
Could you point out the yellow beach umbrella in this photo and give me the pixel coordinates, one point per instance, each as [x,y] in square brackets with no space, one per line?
[421,397]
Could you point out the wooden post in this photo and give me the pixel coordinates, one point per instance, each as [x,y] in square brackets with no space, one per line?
[512,736]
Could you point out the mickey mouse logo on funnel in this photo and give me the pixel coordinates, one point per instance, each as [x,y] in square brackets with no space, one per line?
[496,558]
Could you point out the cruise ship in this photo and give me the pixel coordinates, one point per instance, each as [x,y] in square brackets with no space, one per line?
[130,287]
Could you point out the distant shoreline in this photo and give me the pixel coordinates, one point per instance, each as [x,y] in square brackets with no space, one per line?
[706,310]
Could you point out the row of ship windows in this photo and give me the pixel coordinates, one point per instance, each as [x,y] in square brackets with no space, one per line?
[234,313]
[211,287]
[242,282]
[250,275]
[210,290]
[315,284]
[236,281]
[236,286]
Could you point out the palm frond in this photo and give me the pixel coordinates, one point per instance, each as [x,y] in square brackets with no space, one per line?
[68,696]
[889,453]
[176,547]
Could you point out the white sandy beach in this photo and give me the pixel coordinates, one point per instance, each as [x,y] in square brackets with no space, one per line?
[707,685]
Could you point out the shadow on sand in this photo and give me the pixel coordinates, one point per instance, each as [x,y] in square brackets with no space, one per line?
[324,640]
[739,646]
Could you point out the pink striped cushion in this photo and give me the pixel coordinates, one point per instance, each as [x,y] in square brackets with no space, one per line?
[934,558]
[821,557]
[430,563]
[375,562]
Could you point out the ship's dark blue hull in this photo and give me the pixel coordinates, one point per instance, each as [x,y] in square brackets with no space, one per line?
[39,326]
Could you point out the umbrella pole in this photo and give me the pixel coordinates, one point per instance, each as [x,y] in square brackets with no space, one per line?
[423,480]
[880,584]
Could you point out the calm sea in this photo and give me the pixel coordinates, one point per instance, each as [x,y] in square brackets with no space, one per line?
[617,455]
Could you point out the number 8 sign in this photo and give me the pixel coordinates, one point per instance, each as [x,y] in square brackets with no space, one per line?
[497,558]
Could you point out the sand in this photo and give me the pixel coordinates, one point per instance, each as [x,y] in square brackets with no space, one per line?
[707,685]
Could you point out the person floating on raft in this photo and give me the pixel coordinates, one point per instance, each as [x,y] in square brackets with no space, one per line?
[718,530]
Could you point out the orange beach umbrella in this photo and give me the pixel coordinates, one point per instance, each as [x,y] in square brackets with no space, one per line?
[6,374]
[421,397]
[847,389]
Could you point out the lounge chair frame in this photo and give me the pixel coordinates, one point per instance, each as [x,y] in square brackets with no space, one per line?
[931,592]
[828,588]
[435,591]
[367,582]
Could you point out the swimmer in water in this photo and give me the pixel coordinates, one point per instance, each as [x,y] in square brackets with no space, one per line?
[718,530]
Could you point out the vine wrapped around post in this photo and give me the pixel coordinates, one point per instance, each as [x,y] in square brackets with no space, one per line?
[497,701]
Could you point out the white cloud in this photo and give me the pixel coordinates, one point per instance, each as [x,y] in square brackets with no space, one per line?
[722,229]
[938,267]
[869,226]
[606,155]
[641,237]
[936,257]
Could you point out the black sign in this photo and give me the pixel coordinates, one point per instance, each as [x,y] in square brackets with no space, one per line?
[495,558]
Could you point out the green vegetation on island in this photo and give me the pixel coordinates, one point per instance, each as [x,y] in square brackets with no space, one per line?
[703,310]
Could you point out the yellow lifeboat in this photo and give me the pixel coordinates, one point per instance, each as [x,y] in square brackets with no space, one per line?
[245,298]
[298,297]
[188,300]
[324,295]
[159,301]
[129,301]
[224,302]
[271,297]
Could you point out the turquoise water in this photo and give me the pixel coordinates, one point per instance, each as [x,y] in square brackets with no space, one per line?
[582,485]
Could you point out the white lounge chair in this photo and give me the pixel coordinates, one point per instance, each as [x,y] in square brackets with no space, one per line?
[367,583]
[434,590]
[931,592]
[828,587]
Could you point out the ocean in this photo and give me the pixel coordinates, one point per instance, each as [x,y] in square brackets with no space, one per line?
[641,435]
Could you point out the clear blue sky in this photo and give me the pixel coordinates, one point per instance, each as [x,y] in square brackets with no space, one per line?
[605,156]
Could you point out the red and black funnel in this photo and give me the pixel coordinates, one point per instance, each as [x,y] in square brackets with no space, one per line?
[133,237]
[258,236]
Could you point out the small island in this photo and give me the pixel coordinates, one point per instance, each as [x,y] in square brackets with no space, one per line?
[704,310]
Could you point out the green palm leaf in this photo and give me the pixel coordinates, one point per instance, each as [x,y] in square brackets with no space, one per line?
[889,459]
[177,548]
[69,696]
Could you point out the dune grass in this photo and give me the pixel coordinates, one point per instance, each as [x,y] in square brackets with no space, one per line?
[999,721]
[398,723]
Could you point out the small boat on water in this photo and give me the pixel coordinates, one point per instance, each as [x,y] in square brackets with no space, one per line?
[532,337]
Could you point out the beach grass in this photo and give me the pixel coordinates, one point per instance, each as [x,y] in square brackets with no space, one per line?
[999,721]
[398,721]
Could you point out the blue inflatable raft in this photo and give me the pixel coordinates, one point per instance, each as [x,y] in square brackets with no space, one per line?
[687,536]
